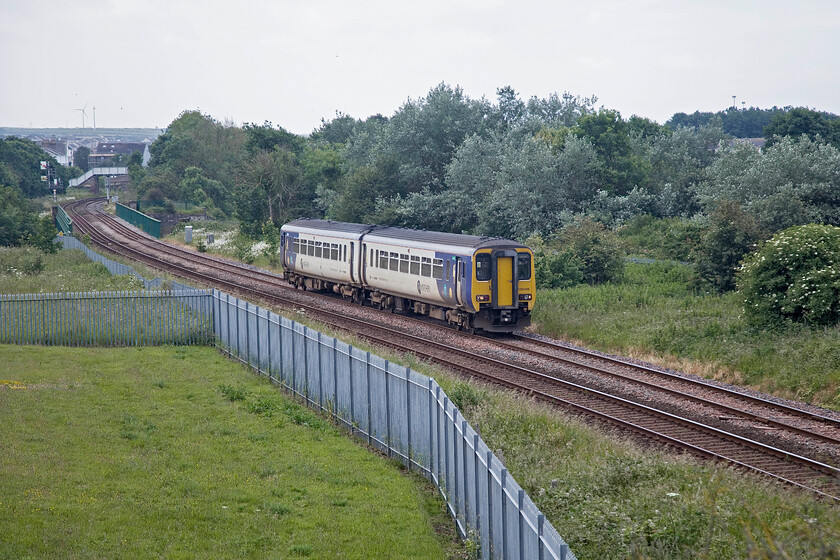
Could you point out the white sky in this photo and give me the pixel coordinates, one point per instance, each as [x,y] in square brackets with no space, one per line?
[142,62]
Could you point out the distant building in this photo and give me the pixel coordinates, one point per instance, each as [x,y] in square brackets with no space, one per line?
[59,150]
[104,152]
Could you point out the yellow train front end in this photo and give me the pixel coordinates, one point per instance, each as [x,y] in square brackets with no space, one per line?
[503,289]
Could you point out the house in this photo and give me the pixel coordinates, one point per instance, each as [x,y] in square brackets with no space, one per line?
[59,150]
[104,152]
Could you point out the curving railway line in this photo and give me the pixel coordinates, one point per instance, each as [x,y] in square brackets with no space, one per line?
[798,445]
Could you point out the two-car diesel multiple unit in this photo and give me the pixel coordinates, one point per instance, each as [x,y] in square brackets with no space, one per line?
[471,282]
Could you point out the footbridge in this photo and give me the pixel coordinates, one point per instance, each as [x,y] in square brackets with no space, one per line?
[96,172]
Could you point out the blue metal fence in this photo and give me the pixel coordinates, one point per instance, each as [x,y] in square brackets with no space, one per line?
[402,413]
[107,318]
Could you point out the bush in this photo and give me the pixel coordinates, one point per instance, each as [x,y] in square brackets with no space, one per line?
[561,269]
[732,233]
[598,249]
[793,276]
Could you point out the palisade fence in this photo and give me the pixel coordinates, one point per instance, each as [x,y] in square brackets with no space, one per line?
[404,414]
[141,318]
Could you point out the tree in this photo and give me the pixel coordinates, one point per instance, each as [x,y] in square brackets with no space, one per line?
[799,122]
[731,234]
[20,225]
[623,169]
[80,158]
[336,131]
[267,184]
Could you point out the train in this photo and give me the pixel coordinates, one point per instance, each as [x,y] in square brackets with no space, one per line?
[470,282]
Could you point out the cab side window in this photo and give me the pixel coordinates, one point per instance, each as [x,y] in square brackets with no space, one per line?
[482,267]
[524,266]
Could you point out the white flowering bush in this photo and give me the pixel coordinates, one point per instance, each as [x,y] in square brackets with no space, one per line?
[795,275]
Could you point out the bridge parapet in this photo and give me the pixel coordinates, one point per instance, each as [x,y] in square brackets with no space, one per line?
[97,172]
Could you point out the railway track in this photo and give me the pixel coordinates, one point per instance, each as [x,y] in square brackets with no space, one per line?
[798,446]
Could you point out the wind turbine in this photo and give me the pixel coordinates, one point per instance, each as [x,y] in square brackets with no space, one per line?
[84,114]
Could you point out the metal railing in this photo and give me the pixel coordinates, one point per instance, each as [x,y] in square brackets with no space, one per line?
[107,318]
[146,223]
[63,222]
[96,171]
[402,413]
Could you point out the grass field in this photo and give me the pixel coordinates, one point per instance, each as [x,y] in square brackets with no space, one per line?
[177,452]
[653,314]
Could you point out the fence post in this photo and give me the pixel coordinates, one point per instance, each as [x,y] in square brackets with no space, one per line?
[408,415]
[520,503]
[432,454]
[464,473]
[477,508]
[320,374]
[489,503]
[387,410]
[503,476]
[540,529]
[259,354]
[445,455]
[268,340]
[335,383]
[248,336]
[369,402]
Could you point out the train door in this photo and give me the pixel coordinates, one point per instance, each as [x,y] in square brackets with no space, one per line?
[505,282]
[352,276]
[363,264]
[458,273]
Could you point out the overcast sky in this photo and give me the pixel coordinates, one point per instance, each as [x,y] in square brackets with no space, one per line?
[142,62]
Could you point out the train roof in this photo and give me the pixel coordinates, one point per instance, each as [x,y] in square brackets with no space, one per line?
[413,236]
[439,238]
[328,225]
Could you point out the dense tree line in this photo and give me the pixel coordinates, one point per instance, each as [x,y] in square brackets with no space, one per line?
[542,170]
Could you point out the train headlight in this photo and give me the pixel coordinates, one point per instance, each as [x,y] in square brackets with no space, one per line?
[482,298]
[524,297]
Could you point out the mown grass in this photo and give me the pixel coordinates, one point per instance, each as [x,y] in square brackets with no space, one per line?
[654,314]
[177,452]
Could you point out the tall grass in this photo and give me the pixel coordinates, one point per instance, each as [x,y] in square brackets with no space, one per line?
[654,313]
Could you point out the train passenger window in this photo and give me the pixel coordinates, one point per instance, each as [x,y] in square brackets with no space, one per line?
[296,246]
[318,249]
[404,264]
[334,251]
[395,262]
[437,269]
[415,265]
[310,248]
[372,261]
[426,269]
[448,268]
[482,267]
[523,269]
[383,259]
